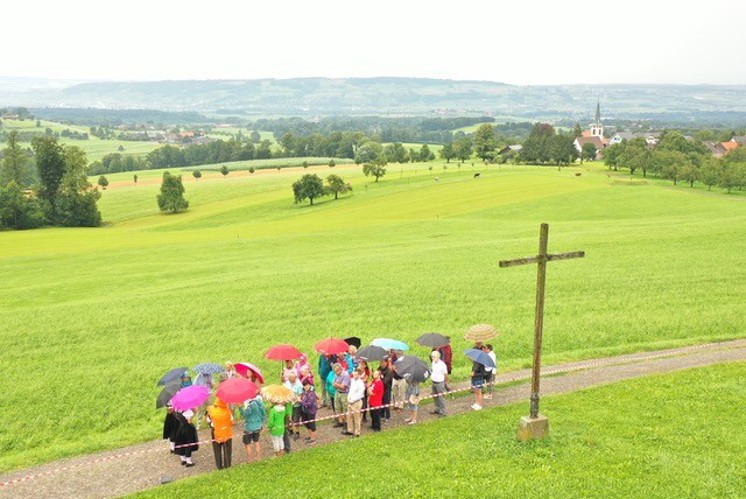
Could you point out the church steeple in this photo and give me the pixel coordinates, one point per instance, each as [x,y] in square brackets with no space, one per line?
[598,112]
[597,129]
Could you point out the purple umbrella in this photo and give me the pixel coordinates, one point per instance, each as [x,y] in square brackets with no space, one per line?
[190,397]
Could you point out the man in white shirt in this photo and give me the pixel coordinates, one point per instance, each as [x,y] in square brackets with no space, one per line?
[355,404]
[439,377]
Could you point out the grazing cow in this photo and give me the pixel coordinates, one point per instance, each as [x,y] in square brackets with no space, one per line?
[476,175]
[577,174]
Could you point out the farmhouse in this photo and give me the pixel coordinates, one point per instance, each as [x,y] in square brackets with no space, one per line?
[651,138]
[716,149]
[514,148]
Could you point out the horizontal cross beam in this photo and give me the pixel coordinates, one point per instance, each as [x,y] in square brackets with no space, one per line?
[539,258]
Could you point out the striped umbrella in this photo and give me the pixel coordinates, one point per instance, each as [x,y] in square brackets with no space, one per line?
[481,332]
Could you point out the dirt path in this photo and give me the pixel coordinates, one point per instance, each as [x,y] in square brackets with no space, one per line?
[139,467]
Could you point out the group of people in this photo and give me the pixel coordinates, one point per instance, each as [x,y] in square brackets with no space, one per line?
[346,385]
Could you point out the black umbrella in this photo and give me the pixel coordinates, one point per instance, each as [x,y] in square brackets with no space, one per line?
[433,340]
[167,394]
[371,353]
[354,340]
[172,375]
[411,368]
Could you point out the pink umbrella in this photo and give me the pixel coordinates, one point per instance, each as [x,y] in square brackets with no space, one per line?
[190,397]
[243,369]
[236,390]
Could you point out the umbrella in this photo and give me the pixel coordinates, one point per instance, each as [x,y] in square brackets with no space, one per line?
[412,368]
[172,375]
[481,332]
[278,394]
[236,390]
[389,344]
[243,369]
[331,345]
[208,368]
[353,340]
[433,340]
[167,394]
[479,357]
[190,397]
[372,353]
[283,352]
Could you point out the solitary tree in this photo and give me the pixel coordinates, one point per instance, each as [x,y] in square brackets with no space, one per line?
[309,186]
[251,169]
[134,177]
[485,142]
[197,174]
[332,163]
[103,182]
[171,198]
[337,186]
[376,168]
[224,170]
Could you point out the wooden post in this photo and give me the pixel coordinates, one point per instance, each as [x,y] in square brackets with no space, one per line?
[535,425]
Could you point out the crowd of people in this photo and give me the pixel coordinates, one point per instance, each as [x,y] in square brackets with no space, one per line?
[344,383]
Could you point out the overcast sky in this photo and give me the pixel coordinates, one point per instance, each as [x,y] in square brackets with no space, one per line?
[520,42]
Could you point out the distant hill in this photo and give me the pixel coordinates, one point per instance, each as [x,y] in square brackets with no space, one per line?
[398,96]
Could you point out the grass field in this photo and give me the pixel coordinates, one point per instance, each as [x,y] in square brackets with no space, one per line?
[91,318]
[94,147]
[681,439]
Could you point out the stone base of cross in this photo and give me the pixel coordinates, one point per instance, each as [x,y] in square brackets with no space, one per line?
[535,425]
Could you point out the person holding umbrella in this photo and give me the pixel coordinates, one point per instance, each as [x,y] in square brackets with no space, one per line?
[220,418]
[186,439]
[387,377]
[253,413]
[296,386]
[439,377]
[170,427]
[398,383]
[325,367]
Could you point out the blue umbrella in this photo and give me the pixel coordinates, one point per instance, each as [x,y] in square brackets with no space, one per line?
[479,357]
[389,344]
[208,368]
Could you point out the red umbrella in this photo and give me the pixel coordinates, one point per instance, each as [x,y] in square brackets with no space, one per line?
[331,346]
[283,352]
[243,368]
[236,390]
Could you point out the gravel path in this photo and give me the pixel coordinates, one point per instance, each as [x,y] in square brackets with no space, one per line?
[139,467]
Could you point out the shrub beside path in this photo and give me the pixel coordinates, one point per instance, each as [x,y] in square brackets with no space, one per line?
[138,467]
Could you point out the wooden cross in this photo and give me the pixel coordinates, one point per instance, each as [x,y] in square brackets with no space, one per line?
[541,276]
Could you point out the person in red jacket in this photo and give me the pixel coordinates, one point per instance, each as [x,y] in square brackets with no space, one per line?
[446,355]
[375,400]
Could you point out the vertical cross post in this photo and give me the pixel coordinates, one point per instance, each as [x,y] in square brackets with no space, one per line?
[535,425]
[541,279]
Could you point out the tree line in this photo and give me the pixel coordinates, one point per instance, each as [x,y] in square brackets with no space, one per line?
[679,159]
[56,193]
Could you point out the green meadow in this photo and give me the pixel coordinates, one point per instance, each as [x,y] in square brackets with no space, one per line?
[94,147]
[91,318]
[681,439]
